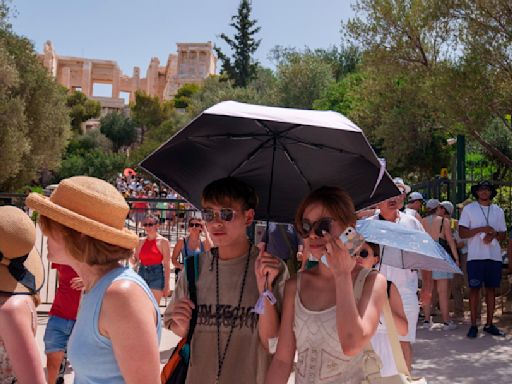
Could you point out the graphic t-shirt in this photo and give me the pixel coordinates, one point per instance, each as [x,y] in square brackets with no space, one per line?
[475,215]
[246,360]
[66,302]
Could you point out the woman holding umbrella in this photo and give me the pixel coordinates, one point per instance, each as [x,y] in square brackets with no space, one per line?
[332,309]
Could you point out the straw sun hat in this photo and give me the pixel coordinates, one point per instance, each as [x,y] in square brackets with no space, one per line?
[90,206]
[21,268]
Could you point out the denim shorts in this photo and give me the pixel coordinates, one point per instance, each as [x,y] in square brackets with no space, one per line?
[153,275]
[57,334]
[441,275]
[486,272]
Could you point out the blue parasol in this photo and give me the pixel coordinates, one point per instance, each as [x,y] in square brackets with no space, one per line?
[406,248]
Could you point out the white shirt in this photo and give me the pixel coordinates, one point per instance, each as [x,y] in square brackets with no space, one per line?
[410,212]
[475,215]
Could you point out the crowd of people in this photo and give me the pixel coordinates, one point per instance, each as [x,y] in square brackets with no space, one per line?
[245,310]
[147,197]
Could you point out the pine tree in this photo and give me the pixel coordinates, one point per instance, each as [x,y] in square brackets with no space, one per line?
[241,68]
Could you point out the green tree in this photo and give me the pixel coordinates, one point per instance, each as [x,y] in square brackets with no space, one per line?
[182,97]
[456,53]
[241,67]
[81,109]
[214,90]
[341,96]
[119,129]
[89,141]
[148,112]
[96,163]
[301,79]
[34,122]
[13,127]
[156,136]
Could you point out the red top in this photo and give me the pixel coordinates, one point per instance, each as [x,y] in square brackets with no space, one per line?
[150,254]
[140,204]
[67,299]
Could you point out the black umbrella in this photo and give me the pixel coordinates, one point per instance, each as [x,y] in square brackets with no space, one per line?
[283,153]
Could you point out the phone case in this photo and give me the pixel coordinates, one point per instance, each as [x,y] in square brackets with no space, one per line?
[352,240]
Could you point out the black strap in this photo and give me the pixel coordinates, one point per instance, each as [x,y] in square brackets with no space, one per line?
[389,288]
[191,278]
[17,269]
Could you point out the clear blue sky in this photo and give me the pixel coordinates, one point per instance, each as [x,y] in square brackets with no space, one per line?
[131,32]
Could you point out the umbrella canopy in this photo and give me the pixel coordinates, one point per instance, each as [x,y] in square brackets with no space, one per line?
[129,172]
[283,153]
[406,248]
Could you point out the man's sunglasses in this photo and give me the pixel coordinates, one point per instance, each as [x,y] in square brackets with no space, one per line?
[148,224]
[195,225]
[318,227]
[225,214]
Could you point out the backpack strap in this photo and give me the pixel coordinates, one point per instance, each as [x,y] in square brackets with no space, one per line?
[190,270]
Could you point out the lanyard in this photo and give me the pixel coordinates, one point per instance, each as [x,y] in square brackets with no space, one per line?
[486,217]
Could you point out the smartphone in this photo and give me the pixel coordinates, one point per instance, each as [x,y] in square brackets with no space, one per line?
[352,240]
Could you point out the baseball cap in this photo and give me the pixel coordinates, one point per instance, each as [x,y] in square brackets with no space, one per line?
[448,206]
[415,196]
[432,204]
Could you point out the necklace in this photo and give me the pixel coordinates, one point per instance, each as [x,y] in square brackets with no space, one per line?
[222,357]
[486,217]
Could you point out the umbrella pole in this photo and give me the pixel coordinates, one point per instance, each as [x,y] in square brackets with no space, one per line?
[270,186]
[381,257]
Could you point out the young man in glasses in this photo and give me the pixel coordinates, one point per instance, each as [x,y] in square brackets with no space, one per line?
[231,342]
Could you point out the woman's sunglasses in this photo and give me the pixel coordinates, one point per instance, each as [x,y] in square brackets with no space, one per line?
[363,253]
[195,225]
[148,224]
[225,214]
[318,227]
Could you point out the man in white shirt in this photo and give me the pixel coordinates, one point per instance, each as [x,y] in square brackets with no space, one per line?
[483,224]
[406,280]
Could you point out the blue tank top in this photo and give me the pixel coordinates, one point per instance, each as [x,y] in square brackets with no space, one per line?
[186,251]
[90,353]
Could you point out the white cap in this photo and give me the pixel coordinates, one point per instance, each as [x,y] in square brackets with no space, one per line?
[415,196]
[432,204]
[448,206]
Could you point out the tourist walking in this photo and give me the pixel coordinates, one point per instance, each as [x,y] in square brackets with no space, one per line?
[153,257]
[458,285]
[483,224]
[118,323]
[330,311]
[61,319]
[406,280]
[190,245]
[21,277]
[368,257]
[414,205]
[231,343]
[439,228]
